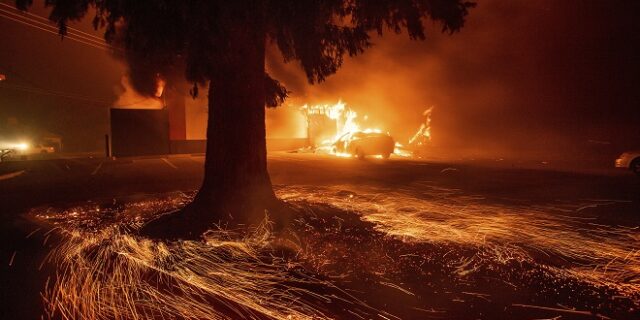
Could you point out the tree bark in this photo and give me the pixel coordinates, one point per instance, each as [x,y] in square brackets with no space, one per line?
[236,188]
[236,182]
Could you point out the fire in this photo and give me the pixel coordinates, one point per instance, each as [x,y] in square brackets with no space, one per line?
[327,124]
[129,98]
[343,119]
[423,135]
[401,150]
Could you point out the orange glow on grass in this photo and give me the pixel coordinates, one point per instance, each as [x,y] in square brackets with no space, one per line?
[105,272]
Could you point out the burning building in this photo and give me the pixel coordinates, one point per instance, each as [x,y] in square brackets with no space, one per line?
[173,122]
[169,122]
[326,123]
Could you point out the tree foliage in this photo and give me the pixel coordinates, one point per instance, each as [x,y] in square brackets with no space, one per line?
[162,37]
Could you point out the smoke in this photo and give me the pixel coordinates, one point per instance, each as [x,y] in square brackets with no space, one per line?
[526,79]
[396,80]
[532,79]
[286,122]
[129,98]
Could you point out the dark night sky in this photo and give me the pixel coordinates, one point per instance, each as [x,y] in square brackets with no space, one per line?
[35,59]
[531,78]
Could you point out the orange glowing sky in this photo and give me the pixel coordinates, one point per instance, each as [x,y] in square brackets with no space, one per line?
[524,78]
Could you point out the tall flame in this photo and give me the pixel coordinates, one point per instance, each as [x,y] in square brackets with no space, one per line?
[346,119]
[424,132]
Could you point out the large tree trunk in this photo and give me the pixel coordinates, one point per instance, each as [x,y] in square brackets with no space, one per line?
[236,183]
[236,187]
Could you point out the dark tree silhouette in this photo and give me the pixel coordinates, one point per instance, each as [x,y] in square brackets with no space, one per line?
[223,43]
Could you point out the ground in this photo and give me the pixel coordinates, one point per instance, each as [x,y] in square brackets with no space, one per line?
[383,239]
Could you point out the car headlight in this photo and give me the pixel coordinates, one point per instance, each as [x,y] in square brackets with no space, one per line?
[22,146]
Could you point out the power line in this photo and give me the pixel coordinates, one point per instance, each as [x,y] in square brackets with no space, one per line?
[55,93]
[97,46]
[34,88]
[72,34]
[48,22]
[71,96]
[31,20]
[51,29]
[103,47]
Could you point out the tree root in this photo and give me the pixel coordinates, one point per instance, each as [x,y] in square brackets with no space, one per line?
[190,222]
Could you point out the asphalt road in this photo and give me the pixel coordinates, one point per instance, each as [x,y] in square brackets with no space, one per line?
[28,184]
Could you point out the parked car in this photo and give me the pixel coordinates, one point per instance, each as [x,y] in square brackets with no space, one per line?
[362,144]
[629,160]
[24,149]
[40,148]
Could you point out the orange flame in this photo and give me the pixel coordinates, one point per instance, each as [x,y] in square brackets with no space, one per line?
[346,121]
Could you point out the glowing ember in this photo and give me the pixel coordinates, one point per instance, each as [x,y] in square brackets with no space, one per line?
[112,275]
[106,273]
[602,255]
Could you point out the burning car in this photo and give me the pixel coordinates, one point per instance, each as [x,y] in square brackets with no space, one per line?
[364,143]
[629,160]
